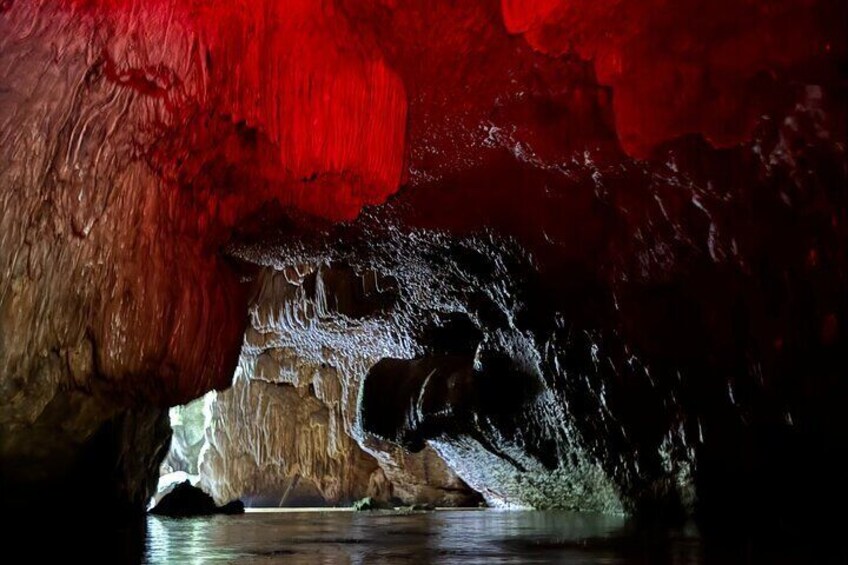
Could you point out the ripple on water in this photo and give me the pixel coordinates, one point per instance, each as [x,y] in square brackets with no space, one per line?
[463,537]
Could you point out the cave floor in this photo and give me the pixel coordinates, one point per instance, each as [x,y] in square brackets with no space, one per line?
[449,536]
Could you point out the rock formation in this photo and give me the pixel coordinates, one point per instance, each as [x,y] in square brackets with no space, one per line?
[590,257]
[107,284]
[186,500]
[650,371]
[285,433]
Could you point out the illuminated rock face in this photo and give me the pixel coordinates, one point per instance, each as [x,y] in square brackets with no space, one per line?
[109,283]
[286,432]
[275,445]
[564,325]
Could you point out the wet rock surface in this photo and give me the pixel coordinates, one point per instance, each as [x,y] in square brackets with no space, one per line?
[665,359]
[286,434]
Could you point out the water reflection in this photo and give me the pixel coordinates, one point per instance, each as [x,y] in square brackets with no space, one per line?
[464,537]
[467,537]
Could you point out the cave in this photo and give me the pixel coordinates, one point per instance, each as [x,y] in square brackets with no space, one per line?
[530,280]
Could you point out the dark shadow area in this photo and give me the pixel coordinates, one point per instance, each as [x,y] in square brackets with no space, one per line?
[408,401]
[112,474]
[45,536]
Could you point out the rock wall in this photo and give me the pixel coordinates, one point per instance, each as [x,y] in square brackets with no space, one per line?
[128,155]
[436,299]
[658,350]
[108,288]
[709,67]
[275,445]
[286,433]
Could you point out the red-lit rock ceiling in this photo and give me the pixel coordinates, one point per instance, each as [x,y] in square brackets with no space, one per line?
[706,67]
[349,98]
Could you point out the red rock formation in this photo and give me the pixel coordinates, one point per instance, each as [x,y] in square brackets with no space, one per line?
[331,113]
[702,66]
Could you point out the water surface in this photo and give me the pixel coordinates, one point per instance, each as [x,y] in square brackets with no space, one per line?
[464,537]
